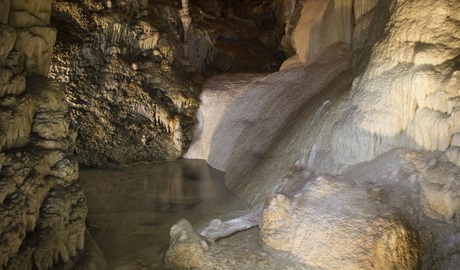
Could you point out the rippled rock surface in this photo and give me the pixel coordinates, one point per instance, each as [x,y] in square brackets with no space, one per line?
[133,80]
[42,207]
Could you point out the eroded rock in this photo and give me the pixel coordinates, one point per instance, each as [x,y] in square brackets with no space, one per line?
[41,199]
[36,43]
[374,216]
[187,248]
[335,225]
[139,100]
[42,206]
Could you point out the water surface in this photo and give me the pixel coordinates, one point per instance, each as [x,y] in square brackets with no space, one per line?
[131,209]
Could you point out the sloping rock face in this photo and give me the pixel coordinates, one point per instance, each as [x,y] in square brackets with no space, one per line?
[42,207]
[395,100]
[234,143]
[131,75]
[376,215]
[381,210]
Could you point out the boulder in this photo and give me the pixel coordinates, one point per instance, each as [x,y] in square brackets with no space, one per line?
[334,225]
[186,247]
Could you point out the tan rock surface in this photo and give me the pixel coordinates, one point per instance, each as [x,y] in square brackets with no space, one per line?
[42,207]
[187,248]
[36,43]
[335,225]
[7,39]
[41,199]
[26,13]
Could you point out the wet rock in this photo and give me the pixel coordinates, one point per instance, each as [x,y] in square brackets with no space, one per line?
[187,248]
[374,216]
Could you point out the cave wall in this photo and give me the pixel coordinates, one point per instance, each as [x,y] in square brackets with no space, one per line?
[354,135]
[118,63]
[404,95]
[42,207]
[132,80]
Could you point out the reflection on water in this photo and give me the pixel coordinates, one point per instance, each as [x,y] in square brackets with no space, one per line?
[131,209]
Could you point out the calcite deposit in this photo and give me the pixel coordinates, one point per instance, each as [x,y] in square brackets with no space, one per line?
[403,94]
[132,78]
[42,207]
[354,201]
[376,215]
[349,153]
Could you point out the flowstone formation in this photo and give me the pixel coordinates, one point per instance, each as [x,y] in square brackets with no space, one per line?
[417,112]
[382,208]
[133,79]
[384,214]
[42,207]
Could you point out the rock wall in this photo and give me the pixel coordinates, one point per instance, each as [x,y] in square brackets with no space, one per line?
[335,182]
[42,207]
[404,95]
[118,63]
[244,132]
[132,80]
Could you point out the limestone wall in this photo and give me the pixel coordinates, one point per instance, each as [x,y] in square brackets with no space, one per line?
[405,94]
[42,207]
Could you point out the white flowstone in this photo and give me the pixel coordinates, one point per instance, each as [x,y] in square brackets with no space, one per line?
[321,24]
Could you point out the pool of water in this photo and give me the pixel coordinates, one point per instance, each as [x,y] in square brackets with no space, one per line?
[131,209]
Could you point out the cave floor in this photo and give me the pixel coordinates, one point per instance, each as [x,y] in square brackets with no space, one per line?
[131,209]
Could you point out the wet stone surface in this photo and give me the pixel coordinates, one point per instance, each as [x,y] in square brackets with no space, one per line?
[131,209]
